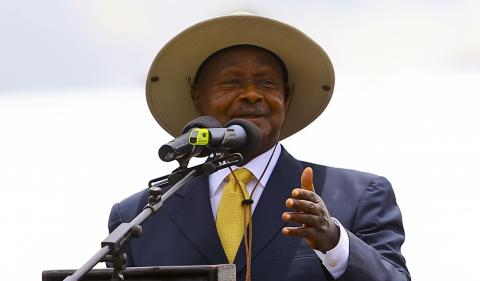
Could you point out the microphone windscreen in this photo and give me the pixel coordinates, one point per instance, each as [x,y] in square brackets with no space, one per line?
[202,122]
[254,135]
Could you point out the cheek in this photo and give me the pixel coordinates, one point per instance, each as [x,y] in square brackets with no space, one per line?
[216,106]
[277,107]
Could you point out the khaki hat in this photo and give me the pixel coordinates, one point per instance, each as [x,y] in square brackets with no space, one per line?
[309,68]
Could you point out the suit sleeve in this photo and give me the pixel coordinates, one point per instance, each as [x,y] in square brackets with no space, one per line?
[115,218]
[376,237]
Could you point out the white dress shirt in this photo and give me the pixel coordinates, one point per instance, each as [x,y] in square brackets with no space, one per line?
[335,260]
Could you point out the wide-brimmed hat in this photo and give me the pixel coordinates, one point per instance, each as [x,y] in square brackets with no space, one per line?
[309,68]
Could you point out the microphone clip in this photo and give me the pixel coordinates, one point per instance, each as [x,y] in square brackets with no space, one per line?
[247,202]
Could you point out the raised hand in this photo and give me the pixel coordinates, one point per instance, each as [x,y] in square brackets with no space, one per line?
[309,210]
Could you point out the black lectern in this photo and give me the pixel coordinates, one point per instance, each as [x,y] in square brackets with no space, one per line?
[222,272]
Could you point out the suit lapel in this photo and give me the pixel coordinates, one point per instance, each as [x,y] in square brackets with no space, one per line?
[193,215]
[267,218]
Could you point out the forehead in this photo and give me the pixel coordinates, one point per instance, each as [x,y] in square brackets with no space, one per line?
[238,56]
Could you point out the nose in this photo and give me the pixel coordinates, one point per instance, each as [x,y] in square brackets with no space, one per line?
[251,93]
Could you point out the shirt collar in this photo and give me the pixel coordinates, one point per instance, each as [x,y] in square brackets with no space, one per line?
[256,166]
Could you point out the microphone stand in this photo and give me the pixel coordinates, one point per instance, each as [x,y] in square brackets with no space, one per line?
[113,247]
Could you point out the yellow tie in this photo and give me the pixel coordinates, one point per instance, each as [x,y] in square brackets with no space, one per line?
[231,213]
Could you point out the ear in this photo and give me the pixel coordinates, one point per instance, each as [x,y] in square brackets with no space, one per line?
[287,94]
[195,94]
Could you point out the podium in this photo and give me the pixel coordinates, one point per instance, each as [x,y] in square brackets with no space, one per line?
[222,272]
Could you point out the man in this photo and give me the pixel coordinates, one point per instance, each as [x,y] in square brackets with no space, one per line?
[337,224]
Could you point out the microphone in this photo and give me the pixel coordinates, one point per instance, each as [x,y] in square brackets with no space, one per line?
[181,147]
[240,136]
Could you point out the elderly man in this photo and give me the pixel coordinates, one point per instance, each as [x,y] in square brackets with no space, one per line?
[309,222]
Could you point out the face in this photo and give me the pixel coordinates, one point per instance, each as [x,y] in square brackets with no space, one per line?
[244,82]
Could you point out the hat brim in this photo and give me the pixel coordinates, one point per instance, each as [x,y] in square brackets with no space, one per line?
[309,68]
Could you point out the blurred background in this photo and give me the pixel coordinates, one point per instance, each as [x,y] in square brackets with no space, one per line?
[76,135]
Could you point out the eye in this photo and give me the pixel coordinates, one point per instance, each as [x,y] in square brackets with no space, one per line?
[231,82]
[267,83]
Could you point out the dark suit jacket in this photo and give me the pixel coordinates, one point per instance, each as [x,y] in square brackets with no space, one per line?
[183,232]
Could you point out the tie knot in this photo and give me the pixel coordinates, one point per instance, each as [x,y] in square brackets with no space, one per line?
[243,175]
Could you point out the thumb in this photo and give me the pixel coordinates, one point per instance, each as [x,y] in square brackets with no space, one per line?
[307,179]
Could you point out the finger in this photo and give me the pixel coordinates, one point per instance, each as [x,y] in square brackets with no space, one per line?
[303,206]
[303,194]
[305,232]
[302,218]
[307,179]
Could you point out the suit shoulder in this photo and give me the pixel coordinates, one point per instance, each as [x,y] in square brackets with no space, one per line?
[348,185]
[347,177]
[129,207]
[136,198]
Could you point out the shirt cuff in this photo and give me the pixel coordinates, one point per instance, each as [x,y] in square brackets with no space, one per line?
[335,260]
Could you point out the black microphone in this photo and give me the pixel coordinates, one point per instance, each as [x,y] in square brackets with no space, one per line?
[181,147]
[240,136]
[243,144]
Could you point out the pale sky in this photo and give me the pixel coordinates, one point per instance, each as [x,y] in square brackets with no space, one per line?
[77,136]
